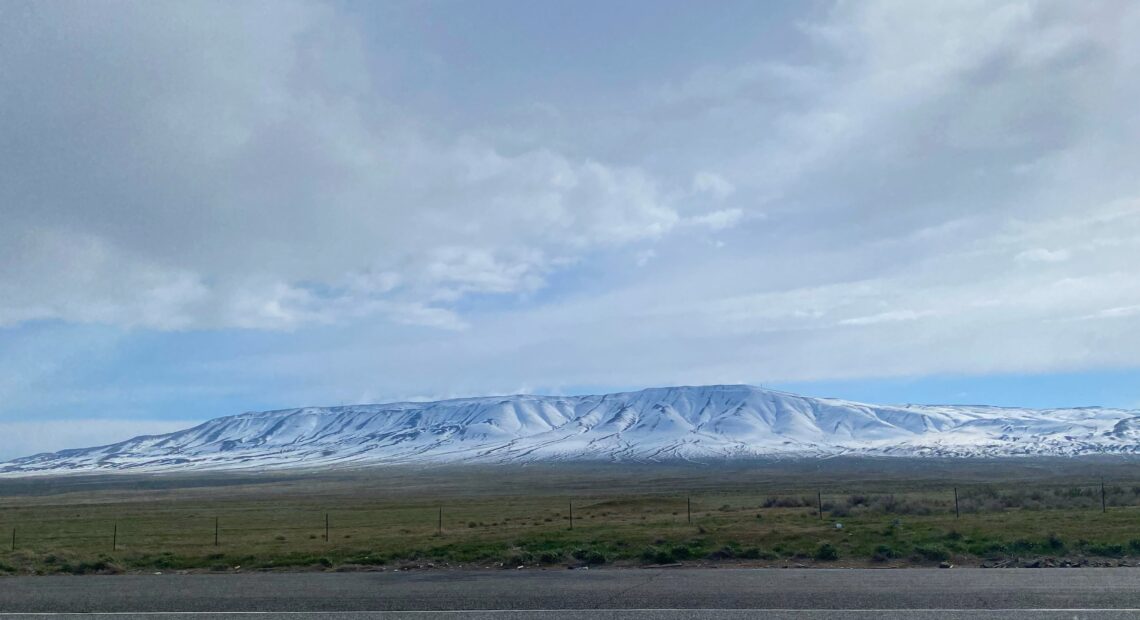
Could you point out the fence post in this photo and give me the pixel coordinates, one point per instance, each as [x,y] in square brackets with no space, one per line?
[1103,505]
[115,538]
[689,509]
[819,500]
[215,531]
[957,514]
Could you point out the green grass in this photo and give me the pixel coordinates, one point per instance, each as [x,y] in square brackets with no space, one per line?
[893,512]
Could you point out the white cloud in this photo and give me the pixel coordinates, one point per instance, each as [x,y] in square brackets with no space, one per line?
[643,257]
[242,166]
[718,220]
[1043,255]
[712,183]
[1118,312]
[892,316]
[906,188]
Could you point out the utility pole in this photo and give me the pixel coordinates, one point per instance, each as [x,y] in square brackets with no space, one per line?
[689,508]
[215,531]
[956,513]
[326,527]
[819,500]
[115,538]
[1103,504]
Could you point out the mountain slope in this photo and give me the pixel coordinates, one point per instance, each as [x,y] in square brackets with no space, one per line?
[691,423]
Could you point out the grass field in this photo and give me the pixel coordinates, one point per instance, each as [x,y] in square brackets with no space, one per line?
[893,512]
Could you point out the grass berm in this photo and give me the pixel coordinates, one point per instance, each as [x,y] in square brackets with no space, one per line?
[876,512]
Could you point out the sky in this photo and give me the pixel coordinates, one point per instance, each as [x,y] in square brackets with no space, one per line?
[214,207]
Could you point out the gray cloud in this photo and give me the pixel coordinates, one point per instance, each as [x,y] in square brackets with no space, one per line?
[914,188]
[215,165]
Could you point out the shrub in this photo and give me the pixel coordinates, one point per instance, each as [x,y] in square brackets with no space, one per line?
[517,557]
[551,556]
[594,557]
[987,548]
[663,556]
[883,553]
[724,553]
[367,560]
[827,553]
[786,502]
[654,555]
[682,552]
[666,555]
[87,568]
[754,553]
[906,507]
[933,553]
[1022,546]
[1106,550]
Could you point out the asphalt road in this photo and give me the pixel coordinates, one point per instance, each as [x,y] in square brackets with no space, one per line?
[633,594]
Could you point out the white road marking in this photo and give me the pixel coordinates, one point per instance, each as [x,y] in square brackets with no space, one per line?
[589,609]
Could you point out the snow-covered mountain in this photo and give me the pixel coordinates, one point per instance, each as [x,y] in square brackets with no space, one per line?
[660,424]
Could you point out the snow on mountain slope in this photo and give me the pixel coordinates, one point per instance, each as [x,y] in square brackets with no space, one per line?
[690,423]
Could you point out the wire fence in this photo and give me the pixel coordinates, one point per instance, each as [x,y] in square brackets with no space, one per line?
[35,528]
